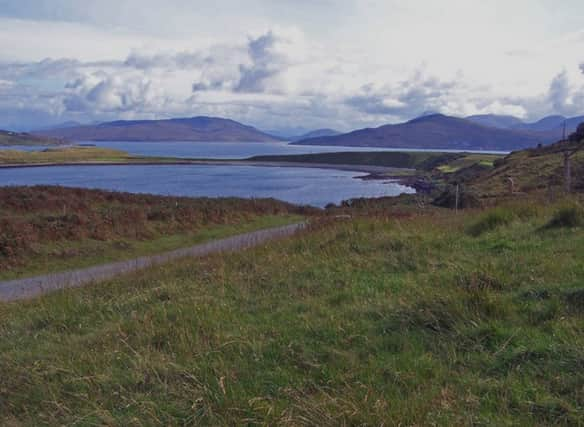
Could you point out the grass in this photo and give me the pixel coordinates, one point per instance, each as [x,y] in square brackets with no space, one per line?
[380,321]
[62,155]
[531,171]
[571,215]
[68,255]
[48,228]
[468,160]
[491,221]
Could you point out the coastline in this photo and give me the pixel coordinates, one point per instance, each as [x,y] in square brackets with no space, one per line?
[375,172]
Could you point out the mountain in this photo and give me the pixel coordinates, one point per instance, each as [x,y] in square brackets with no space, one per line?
[546,124]
[435,132]
[553,125]
[496,121]
[185,129]
[317,134]
[19,138]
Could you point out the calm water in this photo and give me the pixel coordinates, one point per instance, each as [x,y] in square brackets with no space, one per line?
[226,150]
[316,187]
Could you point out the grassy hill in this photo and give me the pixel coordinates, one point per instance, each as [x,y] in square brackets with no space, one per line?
[442,319]
[532,171]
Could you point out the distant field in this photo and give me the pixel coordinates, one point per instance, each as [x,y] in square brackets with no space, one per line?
[62,155]
[48,229]
[468,319]
[397,159]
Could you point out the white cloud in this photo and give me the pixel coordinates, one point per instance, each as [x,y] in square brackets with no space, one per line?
[342,63]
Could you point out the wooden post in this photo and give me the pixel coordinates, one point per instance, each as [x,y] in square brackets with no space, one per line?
[567,172]
[456,198]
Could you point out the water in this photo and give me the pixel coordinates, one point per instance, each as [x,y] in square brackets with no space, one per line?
[228,150]
[316,187]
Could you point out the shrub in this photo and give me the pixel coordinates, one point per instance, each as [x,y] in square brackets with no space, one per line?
[567,216]
[490,221]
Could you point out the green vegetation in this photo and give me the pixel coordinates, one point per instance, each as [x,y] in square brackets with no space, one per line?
[571,215]
[374,321]
[423,160]
[491,221]
[532,171]
[48,229]
[63,155]
[468,160]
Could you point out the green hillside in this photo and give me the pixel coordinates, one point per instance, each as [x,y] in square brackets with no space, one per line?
[442,319]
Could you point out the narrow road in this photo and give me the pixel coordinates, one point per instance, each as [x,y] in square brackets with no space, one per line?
[31,287]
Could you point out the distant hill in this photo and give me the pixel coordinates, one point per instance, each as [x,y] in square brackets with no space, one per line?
[184,129]
[435,132]
[496,121]
[17,138]
[552,125]
[317,134]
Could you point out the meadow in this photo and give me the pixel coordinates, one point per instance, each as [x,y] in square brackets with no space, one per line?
[416,319]
[48,228]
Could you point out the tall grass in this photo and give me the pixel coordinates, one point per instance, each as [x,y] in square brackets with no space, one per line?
[50,220]
[409,321]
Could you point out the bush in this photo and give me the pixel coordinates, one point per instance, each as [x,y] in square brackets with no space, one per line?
[490,221]
[567,216]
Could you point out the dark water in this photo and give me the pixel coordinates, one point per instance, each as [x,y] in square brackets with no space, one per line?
[316,187]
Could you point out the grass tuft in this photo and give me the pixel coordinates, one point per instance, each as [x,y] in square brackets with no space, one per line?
[571,215]
[491,220]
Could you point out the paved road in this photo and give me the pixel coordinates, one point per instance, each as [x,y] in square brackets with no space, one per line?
[31,287]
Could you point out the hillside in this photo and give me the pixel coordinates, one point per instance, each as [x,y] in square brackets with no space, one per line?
[435,132]
[17,138]
[49,228]
[201,129]
[429,320]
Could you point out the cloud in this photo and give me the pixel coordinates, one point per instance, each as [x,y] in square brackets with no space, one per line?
[277,77]
[106,93]
[406,98]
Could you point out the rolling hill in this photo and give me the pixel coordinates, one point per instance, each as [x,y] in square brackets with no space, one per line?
[183,129]
[436,132]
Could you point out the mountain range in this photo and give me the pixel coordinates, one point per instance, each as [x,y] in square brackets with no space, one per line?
[438,131]
[551,124]
[183,129]
[431,131]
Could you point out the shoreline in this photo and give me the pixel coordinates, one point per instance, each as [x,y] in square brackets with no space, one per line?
[375,172]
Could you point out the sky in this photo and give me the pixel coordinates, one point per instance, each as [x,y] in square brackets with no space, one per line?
[287,64]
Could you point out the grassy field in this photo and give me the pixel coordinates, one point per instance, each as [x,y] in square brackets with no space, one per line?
[48,229]
[441,319]
[422,160]
[63,155]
